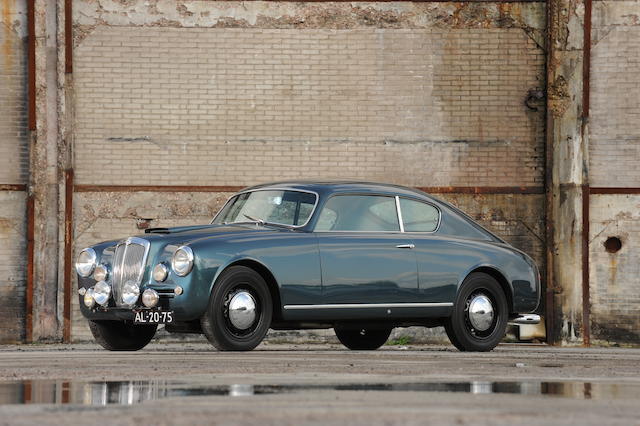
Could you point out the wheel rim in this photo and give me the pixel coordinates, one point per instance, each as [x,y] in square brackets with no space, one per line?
[241,311]
[481,314]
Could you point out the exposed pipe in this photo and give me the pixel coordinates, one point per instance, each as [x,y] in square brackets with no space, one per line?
[68,254]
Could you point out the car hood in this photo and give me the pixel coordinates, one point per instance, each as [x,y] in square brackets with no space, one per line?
[187,234]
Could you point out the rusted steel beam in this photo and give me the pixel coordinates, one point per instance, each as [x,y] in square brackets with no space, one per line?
[483,189]
[586,295]
[31,65]
[30,276]
[155,188]
[614,190]
[586,63]
[408,1]
[68,254]
[68,36]
[12,187]
[186,188]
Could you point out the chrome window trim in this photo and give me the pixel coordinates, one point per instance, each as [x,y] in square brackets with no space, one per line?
[399,213]
[313,210]
[369,305]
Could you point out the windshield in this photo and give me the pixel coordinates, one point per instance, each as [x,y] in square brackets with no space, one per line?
[293,208]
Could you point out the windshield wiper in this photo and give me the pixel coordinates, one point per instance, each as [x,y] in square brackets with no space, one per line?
[263,222]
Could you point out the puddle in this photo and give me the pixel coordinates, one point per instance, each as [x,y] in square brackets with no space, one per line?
[97,393]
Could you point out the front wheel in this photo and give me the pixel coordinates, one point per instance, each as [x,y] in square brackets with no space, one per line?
[239,312]
[479,318]
[363,339]
[120,336]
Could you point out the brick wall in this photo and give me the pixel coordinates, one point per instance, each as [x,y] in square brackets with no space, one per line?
[614,160]
[12,265]
[614,136]
[240,106]
[213,93]
[14,156]
[13,168]
[615,287]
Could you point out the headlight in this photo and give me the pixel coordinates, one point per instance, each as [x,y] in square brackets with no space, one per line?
[150,298]
[160,272]
[86,262]
[89,301]
[182,261]
[101,273]
[130,293]
[101,293]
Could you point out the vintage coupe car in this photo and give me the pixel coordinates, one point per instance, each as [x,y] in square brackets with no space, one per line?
[362,258]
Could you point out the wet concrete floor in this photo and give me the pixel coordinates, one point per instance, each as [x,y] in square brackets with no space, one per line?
[318,384]
[139,391]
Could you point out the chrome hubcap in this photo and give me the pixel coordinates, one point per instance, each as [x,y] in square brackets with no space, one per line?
[242,310]
[481,312]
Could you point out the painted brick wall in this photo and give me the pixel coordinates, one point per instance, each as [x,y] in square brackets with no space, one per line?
[223,106]
[614,159]
[615,287]
[14,157]
[614,137]
[13,168]
[12,265]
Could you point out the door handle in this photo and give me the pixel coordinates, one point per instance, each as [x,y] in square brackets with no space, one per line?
[409,246]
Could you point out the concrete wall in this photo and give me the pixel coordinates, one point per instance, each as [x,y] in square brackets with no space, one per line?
[13,168]
[615,162]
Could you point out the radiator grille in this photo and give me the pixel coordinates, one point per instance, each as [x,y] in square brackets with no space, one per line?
[128,265]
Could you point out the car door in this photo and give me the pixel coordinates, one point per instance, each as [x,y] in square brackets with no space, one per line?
[364,257]
[439,259]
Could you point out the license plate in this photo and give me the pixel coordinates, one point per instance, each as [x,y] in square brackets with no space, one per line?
[153,317]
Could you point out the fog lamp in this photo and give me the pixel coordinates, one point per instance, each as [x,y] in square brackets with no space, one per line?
[130,293]
[89,301]
[101,273]
[150,298]
[101,293]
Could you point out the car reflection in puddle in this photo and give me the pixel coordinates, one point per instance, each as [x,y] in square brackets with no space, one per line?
[98,393]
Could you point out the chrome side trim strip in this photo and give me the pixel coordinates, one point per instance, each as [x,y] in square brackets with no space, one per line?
[368,305]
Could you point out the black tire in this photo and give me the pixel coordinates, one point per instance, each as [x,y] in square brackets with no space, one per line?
[362,339]
[119,336]
[462,333]
[216,323]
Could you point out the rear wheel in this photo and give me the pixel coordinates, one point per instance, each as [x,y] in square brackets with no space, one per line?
[119,336]
[479,318]
[239,312]
[363,339]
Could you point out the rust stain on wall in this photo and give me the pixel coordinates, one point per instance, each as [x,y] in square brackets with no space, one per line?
[6,45]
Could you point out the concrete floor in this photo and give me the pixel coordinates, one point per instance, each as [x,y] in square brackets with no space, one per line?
[191,383]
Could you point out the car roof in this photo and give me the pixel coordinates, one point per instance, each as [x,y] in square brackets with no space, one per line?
[327,187]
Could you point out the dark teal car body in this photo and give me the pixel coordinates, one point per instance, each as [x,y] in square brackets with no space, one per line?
[320,279]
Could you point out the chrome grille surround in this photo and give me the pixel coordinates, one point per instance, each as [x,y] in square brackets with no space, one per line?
[129,261]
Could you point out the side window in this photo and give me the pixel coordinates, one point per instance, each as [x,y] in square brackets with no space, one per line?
[418,217]
[359,213]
